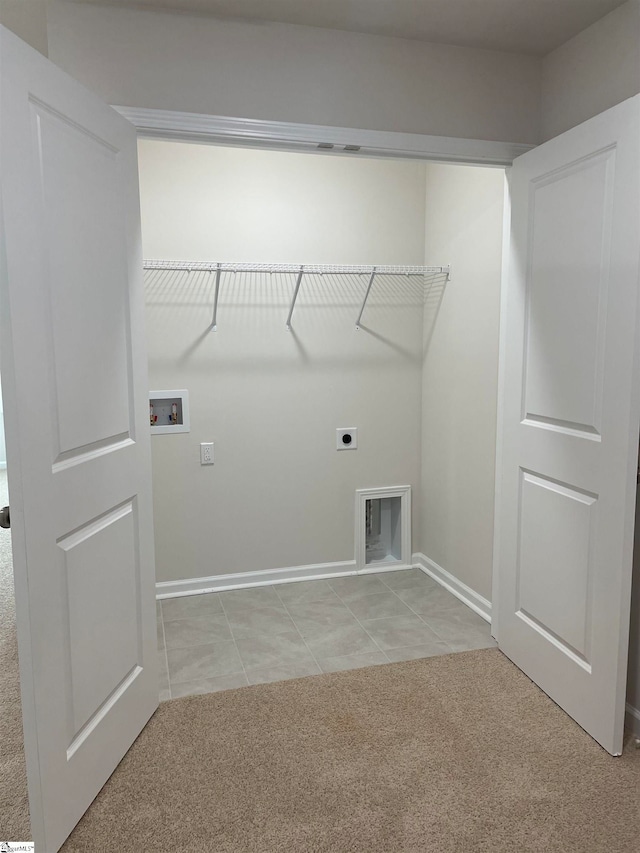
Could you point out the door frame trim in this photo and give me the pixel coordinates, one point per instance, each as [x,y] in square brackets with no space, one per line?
[291,136]
[502,348]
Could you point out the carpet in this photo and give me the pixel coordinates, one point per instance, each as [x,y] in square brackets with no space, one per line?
[452,754]
[14,804]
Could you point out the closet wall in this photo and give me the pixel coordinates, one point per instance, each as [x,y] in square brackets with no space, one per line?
[464,222]
[279,494]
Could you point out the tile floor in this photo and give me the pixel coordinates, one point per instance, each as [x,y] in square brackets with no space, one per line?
[218,641]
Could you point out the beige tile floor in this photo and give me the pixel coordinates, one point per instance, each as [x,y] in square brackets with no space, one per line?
[218,641]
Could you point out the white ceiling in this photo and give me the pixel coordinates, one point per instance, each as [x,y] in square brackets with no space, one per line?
[523,26]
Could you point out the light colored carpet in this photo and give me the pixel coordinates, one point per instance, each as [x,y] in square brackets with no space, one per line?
[14,805]
[456,753]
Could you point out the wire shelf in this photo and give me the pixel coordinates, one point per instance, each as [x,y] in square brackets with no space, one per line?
[315,269]
[299,270]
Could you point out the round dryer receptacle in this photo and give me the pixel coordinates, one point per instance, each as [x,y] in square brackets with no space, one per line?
[347,438]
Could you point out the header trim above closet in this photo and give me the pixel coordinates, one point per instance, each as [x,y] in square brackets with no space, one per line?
[290,136]
[299,271]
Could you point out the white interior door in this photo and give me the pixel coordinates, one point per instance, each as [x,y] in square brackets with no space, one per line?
[571,413]
[75,386]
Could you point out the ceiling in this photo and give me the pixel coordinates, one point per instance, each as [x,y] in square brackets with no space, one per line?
[522,26]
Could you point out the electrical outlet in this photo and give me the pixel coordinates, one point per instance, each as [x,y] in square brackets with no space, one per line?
[206,453]
[347,439]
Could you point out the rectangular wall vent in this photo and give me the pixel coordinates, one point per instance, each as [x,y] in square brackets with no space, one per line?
[383,527]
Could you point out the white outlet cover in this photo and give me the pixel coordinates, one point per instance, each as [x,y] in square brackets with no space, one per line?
[206,453]
[347,438]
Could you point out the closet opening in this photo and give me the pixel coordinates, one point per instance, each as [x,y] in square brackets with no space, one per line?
[298,298]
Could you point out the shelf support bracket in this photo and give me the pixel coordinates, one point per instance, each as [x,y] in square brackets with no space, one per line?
[295,296]
[214,321]
[366,296]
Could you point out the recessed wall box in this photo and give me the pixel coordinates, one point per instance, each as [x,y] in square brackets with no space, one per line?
[169,411]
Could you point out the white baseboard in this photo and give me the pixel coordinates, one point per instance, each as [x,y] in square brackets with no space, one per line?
[467,595]
[264,577]
[632,720]
[384,567]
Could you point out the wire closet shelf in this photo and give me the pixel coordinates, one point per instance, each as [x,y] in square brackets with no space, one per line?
[299,270]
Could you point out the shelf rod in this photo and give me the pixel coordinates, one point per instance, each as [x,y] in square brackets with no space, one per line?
[214,321]
[295,296]
[366,296]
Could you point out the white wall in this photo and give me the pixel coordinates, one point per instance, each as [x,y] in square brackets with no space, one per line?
[279,493]
[595,70]
[459,388]
[275,207]
[299,74]
[27,19]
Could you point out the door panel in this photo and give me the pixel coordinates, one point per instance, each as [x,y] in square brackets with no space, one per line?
[571,414]
[82,250]
[100,570]
[570,215]
[559,560]
[75,391]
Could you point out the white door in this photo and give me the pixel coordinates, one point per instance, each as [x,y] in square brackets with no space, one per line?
[74,382]
[571,413]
